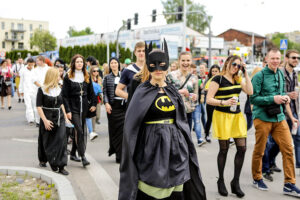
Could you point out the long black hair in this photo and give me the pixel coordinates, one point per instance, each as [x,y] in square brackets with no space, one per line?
[211,68]
[119,65]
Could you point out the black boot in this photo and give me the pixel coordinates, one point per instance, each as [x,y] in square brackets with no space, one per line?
[63,171]
[235,188]
[84,161]
[222,188]
[74,158]
[54,168]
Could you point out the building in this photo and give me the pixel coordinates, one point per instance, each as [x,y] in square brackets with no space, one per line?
[292,36]
[15,34]
[244,37]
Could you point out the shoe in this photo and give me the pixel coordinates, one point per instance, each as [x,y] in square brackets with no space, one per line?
[2,107]
[291,189]
[118,160]
[75,158]
[231,142]
[268,176]
[42,164]
[37,125]
[98,122]
[54,168]
[222,188]
[84,161]
[63,171]
[19,100]
[23,101]
[9,107]
[259,184]
[201,142]
[274,168]
[207,138]
[235,188]
[93,136]
[31,123]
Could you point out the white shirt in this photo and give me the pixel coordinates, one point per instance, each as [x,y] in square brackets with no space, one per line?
[17,68]
[26,84]
[79,77]
[39,74]
[53,92]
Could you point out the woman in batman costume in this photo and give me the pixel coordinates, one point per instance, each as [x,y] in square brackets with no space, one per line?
[159,160]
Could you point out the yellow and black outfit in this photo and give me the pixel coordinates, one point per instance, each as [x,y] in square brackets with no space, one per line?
[228,124]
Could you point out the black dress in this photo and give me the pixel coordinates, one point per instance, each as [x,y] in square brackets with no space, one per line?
[78,98]
[52,146]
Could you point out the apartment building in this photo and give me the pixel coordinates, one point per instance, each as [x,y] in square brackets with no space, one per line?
[15,34]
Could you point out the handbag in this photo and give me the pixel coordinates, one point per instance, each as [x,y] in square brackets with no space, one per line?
[7,82]
[188,105]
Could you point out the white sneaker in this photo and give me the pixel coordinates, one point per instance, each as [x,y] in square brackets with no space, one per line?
[93,136]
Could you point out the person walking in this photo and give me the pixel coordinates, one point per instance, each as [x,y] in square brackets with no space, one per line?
[268,100]
[52,126]
[228,120]
[115,108]
[6,83]
[77,93]
[159,159]
[17,68]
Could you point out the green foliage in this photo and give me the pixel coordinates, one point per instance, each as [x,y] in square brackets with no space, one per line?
[14,55]
[278,36]
[98,51]
[72,32]
[43,40]
[195,21]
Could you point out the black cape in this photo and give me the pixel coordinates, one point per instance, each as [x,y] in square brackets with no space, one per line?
[140,103]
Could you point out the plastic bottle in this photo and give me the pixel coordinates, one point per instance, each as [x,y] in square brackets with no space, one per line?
[234,107]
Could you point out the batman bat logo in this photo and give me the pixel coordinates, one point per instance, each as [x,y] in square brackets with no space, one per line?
[164,104]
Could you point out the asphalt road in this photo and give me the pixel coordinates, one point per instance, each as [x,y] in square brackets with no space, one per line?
[99,181]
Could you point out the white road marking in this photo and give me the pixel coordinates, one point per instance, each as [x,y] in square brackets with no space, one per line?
[24,140]
[104,182]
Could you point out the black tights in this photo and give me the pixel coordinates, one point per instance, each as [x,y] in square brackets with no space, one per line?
[238,160]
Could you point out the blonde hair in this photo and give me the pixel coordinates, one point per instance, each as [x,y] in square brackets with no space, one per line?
[255,70]
[51,79]
[140,44]
[143,74]
[105,69]
[93,67]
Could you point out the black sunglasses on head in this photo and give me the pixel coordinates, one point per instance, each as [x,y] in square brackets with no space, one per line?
[295,57]
[235,64]
[96,71]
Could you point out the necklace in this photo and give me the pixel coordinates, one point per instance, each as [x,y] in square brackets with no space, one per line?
[81,91]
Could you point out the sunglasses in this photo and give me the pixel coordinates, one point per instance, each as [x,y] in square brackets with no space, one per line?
[96,71]
[295,57]
[236,65]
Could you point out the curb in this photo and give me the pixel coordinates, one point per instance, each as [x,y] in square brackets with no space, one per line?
[62,184]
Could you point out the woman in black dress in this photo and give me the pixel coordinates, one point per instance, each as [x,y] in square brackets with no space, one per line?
[79,98]
[52,131]
[159,159]
[115,108]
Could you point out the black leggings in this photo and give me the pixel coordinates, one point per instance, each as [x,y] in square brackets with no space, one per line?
[80,135]
[174,196]
[238,160]
[209,110]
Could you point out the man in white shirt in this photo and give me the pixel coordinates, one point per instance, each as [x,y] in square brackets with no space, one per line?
[17,68]
[39,74]
[28,88]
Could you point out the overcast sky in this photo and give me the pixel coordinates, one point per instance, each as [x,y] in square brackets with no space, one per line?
[259,16]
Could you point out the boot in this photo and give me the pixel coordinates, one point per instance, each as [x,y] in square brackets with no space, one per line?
[63,171]
[222,188]
[84,161]
[74,158]
[235,188]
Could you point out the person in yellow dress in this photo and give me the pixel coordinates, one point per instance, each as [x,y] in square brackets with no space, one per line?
[228,121]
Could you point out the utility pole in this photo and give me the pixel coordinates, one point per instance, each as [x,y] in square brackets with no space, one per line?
[117,43]
[252,58]
[184,26]
[107,51]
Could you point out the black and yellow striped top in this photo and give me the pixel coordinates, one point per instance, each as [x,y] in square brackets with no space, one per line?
[226,91]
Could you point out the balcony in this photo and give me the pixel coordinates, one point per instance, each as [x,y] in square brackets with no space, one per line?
[17,49]
[12,39]
[18,30]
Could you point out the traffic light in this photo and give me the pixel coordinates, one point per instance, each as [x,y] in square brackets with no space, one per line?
[136,18]
[254,49]
[128,24]
[153,15]
[179,15]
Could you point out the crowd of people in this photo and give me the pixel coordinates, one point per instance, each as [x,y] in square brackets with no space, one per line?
[152,111]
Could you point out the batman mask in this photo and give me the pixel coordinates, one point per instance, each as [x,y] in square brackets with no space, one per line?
[155,58]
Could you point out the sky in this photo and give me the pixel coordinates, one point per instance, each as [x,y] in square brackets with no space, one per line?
[259,16]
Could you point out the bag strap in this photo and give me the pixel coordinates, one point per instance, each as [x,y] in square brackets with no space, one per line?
[186,80]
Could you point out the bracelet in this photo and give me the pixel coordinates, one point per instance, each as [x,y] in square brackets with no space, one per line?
[221,103]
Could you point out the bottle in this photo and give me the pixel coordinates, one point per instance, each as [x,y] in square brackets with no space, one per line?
[193,103]
[233,107]
[295,128]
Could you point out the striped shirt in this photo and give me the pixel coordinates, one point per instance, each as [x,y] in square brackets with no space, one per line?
[226,91]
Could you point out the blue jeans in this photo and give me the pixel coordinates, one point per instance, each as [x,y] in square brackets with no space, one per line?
[296,139]
[89,124]
[196,115]
[271,151]
[203,114]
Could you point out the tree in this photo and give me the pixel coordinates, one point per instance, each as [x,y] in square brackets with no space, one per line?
[196,21]
[43,40]
[278,36]
[72,32]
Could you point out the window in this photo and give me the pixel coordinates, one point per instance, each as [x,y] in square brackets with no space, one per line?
[14,36]
[13,45]
[40,27]
[21,45]
[31,35]
[6,35]
[3,25]
[30,27]
[3,45]
[20,26]
[12,25]
[22,36]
